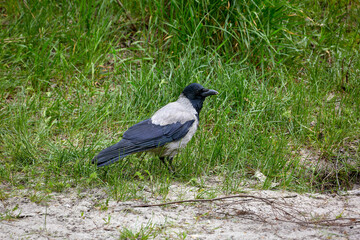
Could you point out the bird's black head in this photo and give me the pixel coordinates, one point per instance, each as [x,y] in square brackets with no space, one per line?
[197,94]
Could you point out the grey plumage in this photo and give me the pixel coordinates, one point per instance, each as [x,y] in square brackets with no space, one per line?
[167,131]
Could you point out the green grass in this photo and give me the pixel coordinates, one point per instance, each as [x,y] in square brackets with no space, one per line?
[75,76]
[148,231]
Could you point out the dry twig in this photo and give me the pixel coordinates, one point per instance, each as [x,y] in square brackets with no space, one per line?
[211,200]
[280,210]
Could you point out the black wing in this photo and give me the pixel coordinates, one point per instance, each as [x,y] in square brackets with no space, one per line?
[141,137]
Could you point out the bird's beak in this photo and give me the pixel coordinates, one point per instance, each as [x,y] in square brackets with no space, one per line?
[208,92]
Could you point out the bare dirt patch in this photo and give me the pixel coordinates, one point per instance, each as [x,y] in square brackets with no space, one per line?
[270,215]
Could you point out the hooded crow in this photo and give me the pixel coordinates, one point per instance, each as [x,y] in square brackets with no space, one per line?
[167,131]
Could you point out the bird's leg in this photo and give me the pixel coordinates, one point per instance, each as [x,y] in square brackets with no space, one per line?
[167,161]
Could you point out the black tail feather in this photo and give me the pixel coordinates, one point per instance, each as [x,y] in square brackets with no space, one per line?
[115,152]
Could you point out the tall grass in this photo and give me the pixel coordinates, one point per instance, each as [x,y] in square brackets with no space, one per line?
[75,75]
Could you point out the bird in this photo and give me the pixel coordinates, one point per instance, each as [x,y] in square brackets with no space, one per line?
[166,132]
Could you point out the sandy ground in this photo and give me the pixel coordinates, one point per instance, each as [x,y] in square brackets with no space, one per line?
[274,215]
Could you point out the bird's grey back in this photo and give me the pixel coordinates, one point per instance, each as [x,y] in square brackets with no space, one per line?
[179,111]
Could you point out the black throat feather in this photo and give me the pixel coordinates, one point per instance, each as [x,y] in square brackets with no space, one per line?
[197,104]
